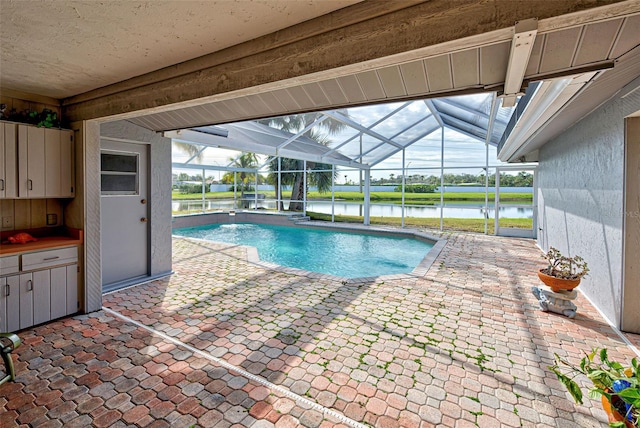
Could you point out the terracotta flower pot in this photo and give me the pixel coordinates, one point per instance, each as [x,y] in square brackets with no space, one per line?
[558,284]
[613,414]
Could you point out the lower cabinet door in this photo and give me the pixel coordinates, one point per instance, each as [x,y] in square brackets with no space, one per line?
[26,300]
[12,299]
[41,296]
[3,304]
[72,289]
[58,292]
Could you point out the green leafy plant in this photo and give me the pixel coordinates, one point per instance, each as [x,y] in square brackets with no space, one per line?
[564,267]
[46,118]
[618,384]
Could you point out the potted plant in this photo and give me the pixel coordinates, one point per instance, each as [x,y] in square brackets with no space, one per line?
[617,386]
[562,272]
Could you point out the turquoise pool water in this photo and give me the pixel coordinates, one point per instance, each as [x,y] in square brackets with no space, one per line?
[345,254]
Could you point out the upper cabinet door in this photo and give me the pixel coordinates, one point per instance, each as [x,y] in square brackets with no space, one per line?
[52,152]
[45,163]
[31,162]
[67,165]
[8,160]
[58,148]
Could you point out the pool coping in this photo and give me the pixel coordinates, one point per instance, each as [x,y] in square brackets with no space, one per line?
[419,271]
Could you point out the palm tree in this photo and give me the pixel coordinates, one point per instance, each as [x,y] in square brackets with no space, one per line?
[286,178]
[294,124]
[245,160]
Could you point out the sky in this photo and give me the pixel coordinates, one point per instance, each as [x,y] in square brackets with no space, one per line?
[462,153]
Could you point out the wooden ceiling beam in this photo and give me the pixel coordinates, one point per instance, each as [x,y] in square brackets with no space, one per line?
[364,36]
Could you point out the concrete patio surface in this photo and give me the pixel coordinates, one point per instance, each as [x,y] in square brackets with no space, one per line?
[226,342]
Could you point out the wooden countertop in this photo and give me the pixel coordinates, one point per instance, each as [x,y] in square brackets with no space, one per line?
[44,243]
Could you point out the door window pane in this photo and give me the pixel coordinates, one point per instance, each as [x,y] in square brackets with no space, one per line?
[116,184]
[118,163]
[119,173]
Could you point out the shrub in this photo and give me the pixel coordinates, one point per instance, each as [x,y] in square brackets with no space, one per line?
[190,188]
[416,188]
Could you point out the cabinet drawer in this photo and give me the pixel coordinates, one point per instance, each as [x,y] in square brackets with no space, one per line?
[9,264]
[43,259]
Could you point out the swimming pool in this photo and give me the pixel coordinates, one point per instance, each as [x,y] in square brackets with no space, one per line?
[345,254]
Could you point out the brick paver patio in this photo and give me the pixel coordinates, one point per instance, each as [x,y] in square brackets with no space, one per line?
[225,342]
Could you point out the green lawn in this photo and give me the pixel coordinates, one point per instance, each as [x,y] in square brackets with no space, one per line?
[393,197]
[459,224]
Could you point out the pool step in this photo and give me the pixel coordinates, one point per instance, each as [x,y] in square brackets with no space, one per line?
[299,219]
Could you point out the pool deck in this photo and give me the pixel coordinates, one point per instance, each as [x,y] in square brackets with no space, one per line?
[228,342]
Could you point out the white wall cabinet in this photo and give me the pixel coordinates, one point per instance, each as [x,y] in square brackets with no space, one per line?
[31,174]
[8,156]
[59,171]
[44,160]
[32,297]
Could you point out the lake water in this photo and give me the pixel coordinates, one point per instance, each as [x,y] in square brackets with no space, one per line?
[376,210]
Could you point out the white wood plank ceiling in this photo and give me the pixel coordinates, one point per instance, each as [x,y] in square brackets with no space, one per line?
[565,51]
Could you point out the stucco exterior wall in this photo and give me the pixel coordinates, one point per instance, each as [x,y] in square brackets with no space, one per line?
[160,200]
[581,195]
[90,187]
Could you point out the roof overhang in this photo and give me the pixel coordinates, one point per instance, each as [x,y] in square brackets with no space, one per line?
[379,60]
[560,103]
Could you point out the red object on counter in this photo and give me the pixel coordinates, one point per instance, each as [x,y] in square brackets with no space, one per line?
[21,238]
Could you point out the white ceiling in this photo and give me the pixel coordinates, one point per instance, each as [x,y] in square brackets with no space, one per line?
[84,45]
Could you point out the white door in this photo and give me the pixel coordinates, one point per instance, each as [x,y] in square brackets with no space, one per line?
[123,213]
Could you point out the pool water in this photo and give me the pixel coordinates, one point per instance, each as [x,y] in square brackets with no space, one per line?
[350,255]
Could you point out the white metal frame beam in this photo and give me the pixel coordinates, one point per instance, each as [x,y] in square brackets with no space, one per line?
[402,107]
[434,111]
[487,141]
[418,138]
[404,130]
[202,149]
[463,107]
[181,165]
[551,97]
[468,134]
[195,137]
[521,47]
[363,129]
[301,133]
[460,122]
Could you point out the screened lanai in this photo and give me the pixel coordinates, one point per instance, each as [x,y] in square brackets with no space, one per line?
[429,158]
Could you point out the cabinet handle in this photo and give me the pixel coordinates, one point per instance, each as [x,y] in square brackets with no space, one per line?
[8,292]
[1,183]
[30,184]
[30,285]
[50,258]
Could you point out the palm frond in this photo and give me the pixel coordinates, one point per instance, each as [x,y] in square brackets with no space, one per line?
[192,150]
